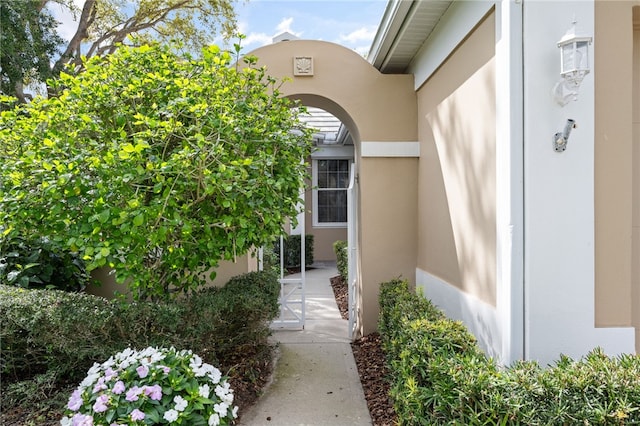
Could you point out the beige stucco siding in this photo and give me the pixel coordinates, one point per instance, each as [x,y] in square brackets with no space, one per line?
[635,236]
[457,173]
[388,219]
[615,299]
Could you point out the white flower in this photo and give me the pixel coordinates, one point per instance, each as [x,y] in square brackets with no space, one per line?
[170,415]
[108,363]
[215,376]
[89,380]
[195,362]
[214,420]
[181,403]
[203,369]
[235,412]
[225,393]
[126,353]
[66,421]
[221,408]
[95,368]
[204,391]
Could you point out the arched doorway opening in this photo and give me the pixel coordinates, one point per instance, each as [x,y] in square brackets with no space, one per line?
[380,111]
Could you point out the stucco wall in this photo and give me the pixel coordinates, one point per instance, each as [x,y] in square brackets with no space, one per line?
[635,253]
[457,175]
[226,270]
[613,162]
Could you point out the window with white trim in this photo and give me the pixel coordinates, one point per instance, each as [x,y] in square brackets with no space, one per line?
[330,183]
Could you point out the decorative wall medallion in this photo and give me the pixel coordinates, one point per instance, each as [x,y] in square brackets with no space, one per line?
[303,65]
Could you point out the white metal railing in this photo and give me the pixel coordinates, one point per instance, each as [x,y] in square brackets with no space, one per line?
[352,279]
[292,290]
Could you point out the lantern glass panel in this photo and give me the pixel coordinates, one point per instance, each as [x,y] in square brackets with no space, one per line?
[582,55]
[568,58]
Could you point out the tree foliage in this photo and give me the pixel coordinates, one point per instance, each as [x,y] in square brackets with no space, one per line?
[29,30]
[155,164]
[28,43]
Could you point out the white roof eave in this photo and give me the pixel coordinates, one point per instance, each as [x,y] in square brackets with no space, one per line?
[405,25]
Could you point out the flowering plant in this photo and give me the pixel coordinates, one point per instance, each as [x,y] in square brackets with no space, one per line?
[152,386]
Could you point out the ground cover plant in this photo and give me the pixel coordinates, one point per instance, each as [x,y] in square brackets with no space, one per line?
[152,386]
[154,163]
[50,338]
[440,376]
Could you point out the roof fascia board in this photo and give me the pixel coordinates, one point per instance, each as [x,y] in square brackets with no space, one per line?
[388,30]
[454,26]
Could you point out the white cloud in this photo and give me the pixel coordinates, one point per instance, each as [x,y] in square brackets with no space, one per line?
[365,34]
[68,23]
[285,25]
[253,39]
[261,39]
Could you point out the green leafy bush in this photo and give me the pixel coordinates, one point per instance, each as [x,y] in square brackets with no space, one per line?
[50,333]
[156,164]
[440,376]
[342,258]
[40,263]
[292,253]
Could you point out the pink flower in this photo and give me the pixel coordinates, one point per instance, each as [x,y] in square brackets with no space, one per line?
[75,400]
[101,404]
[154,392]
[99,386]
[137,415]
[110,374]
[143,371]
[132,394]
[81,420]
[118,388]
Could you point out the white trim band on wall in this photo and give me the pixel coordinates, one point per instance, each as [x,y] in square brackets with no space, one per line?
[390,149]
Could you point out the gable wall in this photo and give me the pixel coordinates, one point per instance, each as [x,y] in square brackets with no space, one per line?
[457,183]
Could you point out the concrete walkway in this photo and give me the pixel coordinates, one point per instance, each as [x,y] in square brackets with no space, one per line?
[316,381]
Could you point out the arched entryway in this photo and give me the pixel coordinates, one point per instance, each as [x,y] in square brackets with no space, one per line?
[380,113]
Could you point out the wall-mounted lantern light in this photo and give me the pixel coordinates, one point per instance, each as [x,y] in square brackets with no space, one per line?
[574,65]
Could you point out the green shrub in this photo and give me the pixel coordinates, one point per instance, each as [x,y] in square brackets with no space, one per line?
[44,330]
[292,253]
[39,263]
[58,335]
[342,258]
[440,376]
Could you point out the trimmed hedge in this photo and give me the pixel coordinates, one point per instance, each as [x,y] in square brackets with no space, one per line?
[60,335]
[342,258]
[292,252]
[440,376]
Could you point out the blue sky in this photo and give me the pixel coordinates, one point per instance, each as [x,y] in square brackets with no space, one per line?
[351,23]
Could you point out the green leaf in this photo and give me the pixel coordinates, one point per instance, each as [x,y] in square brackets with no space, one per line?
[138,220]
[103,216]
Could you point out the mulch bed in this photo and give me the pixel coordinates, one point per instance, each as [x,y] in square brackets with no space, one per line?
[370,360]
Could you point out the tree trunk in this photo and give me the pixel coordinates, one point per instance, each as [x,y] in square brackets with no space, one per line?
[73,48]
